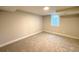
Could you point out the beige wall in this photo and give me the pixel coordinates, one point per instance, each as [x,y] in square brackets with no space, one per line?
[69,25]
[15,25]
[69,11]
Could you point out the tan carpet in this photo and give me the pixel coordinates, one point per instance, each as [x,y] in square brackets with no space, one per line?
[43,42]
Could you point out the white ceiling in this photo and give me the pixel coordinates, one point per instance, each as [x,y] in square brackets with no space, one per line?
[34,9]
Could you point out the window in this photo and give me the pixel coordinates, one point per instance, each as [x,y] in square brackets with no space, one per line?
[55,20]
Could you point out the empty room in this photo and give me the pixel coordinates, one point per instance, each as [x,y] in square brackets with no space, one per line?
[39,29]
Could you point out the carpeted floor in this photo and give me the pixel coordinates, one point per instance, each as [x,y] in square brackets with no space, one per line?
[43,42]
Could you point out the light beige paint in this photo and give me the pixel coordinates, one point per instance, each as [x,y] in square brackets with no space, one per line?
[69,25]
[69,11]
[14,25]
[34,9]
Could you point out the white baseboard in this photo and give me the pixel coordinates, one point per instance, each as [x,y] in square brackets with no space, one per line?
[10,42]
[74,37]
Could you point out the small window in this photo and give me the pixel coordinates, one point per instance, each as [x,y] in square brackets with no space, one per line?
[55,20]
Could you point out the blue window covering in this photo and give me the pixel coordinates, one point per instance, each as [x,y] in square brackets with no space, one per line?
[55,20]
